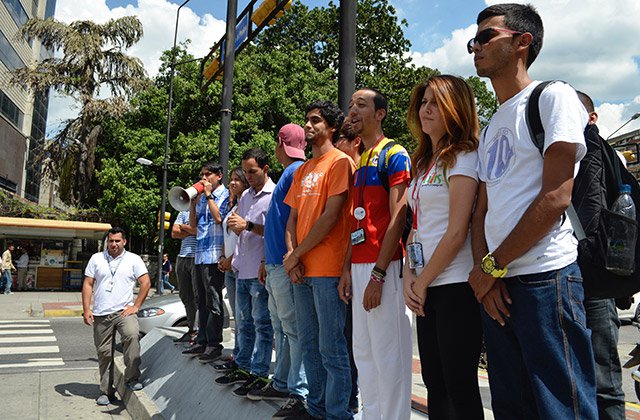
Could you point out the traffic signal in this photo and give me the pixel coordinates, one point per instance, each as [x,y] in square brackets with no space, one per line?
[167,218]
[266,7]
[211,69]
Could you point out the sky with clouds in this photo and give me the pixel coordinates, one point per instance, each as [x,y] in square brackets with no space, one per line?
[592,44]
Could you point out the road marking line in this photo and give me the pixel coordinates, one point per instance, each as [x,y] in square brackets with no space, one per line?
[6,326]
[29,350]
[34,363]
[25,332]
[30,321]
[36,339]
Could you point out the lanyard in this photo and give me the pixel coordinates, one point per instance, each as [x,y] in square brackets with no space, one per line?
[415,195]
[363,182]
[115,270]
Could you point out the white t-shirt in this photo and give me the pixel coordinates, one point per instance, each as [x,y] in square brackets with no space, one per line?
[122,271]
[230,237]
[511,166]
[433,215]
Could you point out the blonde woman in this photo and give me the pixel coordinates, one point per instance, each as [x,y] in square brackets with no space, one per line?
[443,118]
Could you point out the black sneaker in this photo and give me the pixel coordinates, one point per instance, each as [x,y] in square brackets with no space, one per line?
[304,415]
[225,367]
[267,392]
[195,350]
[251,384]
[293,407]
[211,356]
[235,376]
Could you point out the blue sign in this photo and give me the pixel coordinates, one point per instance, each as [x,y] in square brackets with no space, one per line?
[242,31]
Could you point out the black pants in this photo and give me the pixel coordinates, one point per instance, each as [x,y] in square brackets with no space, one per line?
[185,271]
[449,340]
[209,283]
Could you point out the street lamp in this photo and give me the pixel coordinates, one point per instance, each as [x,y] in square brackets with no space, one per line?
[163,203]
[633,117]
[145,162]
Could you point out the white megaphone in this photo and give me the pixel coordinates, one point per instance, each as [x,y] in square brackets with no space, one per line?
[179,198]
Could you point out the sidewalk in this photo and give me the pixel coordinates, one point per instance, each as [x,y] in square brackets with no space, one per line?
[29,305]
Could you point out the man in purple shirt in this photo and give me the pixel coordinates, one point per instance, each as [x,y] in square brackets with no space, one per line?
[254,323]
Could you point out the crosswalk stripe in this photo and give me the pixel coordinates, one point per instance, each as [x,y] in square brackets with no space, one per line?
[30,321]
[11,326]
[30,339]
[26,332]
[54,361]
[29,350]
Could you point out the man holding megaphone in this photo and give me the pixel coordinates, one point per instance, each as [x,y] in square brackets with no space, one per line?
[208,208]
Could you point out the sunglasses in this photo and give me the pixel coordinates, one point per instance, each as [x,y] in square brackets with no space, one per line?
[487,35]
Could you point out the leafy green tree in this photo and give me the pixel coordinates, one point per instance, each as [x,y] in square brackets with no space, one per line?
[92,58]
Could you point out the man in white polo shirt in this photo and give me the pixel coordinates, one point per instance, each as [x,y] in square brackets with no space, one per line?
[110,276]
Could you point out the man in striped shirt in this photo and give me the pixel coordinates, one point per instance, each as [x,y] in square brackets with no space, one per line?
[185,270]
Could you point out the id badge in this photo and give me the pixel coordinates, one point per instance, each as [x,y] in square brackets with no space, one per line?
[414,255]
[357,236]
[110,285]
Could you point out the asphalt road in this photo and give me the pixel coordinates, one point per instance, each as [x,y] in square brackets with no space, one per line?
[49,369]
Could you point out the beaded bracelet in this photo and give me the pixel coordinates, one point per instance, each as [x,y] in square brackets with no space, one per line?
[376,279]
[379,271]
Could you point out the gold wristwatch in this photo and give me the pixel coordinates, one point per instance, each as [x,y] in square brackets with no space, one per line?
[490,267]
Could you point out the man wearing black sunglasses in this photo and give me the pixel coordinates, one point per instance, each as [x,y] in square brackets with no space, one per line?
[526,276]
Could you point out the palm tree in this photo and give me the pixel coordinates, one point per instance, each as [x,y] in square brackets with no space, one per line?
[92,58]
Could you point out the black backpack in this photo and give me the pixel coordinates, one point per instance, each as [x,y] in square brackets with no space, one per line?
[595,189]
[383,174]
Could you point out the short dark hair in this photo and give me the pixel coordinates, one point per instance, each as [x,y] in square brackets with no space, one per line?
[260,156]
[331,113]
[213,167]
[379,100]
[586,101]
[522,18]
[117,229]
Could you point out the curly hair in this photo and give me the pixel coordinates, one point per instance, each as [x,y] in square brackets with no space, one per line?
[456,102]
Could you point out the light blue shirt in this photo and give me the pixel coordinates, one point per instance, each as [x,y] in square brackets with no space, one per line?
[210,238]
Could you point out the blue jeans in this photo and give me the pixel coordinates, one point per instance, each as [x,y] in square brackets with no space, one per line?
[321,317]
[288,374]
[230,284]
[541,361]
[254,327]
[7,279]
[163,283]
[602,320]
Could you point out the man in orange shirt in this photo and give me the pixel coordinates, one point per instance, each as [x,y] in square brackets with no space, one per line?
[317,238]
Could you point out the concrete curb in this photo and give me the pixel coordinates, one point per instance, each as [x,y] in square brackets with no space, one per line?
[138,404]
[53,313]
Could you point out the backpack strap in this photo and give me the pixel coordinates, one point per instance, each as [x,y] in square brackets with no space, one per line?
[534,123]
[383,172]
[536,131]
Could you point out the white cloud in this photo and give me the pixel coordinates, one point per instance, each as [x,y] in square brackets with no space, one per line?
[158,20]
[588,43]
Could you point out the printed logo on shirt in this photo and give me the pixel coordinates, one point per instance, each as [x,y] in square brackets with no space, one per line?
[499,155]
[310,183]
[434,179]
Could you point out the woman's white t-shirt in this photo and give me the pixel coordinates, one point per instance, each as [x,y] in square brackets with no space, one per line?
[432,195]
[230,237]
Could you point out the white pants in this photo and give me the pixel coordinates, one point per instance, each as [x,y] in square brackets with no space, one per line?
[382,346]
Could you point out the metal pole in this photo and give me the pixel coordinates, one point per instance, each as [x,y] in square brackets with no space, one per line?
[347,57]
[163,202]
[227,88]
